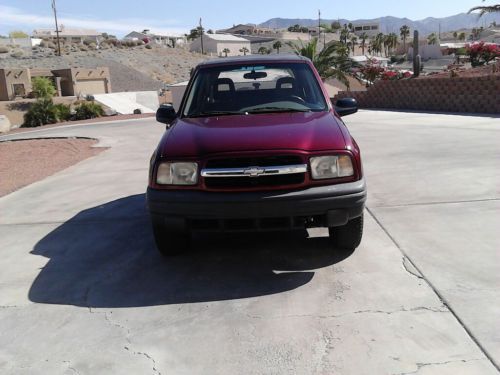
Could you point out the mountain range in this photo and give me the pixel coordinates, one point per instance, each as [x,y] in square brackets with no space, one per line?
[391,24]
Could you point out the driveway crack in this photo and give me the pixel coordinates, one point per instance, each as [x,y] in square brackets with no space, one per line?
[422,365]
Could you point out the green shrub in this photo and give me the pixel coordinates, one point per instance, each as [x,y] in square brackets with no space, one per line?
[4,49]
[42,112]
[63,112]
[88,110]
[149,46]
[43,88]
[17,54]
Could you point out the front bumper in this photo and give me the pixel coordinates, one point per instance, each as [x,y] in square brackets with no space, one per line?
[322,206]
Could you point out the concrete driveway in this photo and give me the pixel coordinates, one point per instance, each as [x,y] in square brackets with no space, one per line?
[82,289]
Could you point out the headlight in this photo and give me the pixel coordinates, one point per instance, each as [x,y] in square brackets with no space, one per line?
[177,174]
[323,167]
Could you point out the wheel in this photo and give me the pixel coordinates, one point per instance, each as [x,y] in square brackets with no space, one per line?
[169,242]
[348,236]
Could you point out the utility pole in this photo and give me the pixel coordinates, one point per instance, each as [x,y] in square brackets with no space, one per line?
[201,36]
[57,27]
[319,25]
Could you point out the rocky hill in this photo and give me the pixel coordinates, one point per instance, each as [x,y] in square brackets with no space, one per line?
[132,69]
[392,24]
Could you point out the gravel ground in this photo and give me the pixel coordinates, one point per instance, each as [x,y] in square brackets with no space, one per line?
[19,168]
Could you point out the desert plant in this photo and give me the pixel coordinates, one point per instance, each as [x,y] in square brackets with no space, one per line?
[244,50]
[88,110]
[363,37]
[481,53]
[43,88]
[277,45]
[63,112]
[226,51]
[149,46]
[17,54]
[262,51]
[42,112]
[432,39]
[18,34]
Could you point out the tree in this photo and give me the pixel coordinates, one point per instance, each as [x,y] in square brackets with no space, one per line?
[277,45]
[332,62]
[43,88]
[18,34]
[363,37]
[432,39]
[404,32]
[344,34]
[210,31]
[226,51]
[485,9]
[263,51]
[195,33]
[244,50]
[455,35]
[391,42]
[353,41]
[335,26]
[461,36]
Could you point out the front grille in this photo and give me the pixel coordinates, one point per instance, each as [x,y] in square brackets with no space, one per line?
[263,161]
[245,182]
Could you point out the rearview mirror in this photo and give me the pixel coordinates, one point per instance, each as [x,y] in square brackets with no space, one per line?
[346,106]
[166,114]
[255,75]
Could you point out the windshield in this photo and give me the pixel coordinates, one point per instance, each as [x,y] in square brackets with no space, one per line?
[254,88]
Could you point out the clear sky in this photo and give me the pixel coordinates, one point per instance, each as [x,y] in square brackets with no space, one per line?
[122,16]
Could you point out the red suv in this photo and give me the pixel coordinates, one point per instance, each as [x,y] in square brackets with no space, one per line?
[256,145]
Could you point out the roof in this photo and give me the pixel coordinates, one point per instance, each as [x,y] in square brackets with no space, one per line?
[225,38]
[276,58]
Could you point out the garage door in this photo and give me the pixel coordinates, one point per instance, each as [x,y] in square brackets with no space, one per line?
[91,87]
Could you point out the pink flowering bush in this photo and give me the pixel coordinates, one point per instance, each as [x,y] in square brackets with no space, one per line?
[481,53]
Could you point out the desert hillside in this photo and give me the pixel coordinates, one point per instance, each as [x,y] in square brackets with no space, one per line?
[132,69]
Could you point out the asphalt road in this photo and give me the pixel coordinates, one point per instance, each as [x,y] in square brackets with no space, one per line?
[82,289]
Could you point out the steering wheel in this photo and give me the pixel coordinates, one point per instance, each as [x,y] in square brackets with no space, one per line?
[297,99]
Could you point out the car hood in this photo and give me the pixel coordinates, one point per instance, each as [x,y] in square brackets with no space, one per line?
[308,131]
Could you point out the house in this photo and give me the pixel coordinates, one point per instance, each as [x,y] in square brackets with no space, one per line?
[70,35]
[370,28]
[215,44]
[16,83]
[248,29]
[168,40]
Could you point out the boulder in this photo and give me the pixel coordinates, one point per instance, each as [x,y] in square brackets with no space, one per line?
[5,125]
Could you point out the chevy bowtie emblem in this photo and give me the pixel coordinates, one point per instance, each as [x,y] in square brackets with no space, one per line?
[254,171]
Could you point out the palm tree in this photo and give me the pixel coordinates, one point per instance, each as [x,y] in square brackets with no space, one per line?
[353,42]
[277,45]
[363,38]
[332,62]
[244,50]
[391,41]
[378,43]
[432,39]
[486,9]
[344,34]
[226,51]
[455,35]
[461,36]
[404,31]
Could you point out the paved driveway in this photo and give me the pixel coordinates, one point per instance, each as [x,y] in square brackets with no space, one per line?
[82,289]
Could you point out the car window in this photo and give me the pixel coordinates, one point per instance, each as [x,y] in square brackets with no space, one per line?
[254,88]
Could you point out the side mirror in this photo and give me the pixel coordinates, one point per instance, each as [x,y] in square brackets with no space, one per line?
[166,114]
[346,106]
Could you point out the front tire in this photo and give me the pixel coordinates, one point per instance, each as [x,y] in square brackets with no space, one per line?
[348,236]
[169,242]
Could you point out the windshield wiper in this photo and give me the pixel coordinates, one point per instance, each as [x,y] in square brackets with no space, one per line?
[216,113]
[277,110]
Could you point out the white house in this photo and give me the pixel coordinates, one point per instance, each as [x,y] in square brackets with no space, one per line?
[70,35]
[169,40]
[215,44]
